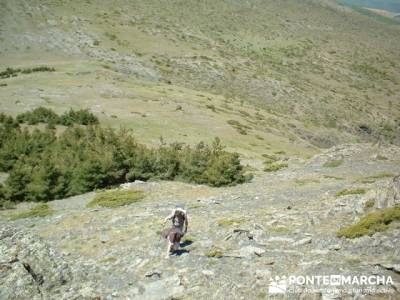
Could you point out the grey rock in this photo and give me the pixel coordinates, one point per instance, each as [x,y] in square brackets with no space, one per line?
[335,247]
[29,266]
[303,242]
[388,194]
[163,289]
[250,251]
[208,273]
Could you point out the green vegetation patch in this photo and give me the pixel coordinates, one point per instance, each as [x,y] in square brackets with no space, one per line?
[371,223]
[270,158]
[273,167]
[11,72]
[372,179]
[40,210]
[6,204]
[370,71]
[272,164]
[46,115]
[116,198]
[382,175]
[333,163]
[369,203]
[214,252]
[241,128]
[345,192]
[44,165]
[229,222]
[381,157]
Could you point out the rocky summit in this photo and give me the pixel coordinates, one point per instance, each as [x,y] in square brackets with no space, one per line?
[239,238]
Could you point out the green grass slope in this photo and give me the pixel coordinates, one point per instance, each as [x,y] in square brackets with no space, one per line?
[262,75]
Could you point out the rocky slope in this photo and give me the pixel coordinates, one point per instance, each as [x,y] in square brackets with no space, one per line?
[282,223]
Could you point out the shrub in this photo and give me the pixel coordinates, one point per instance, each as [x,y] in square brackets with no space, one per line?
[10,72]
[369,203]
[345,192]
[371,223]
[43,166]
[6,204]
[38,115]
[40,210]
[82,117]
[46,115]
[115,198]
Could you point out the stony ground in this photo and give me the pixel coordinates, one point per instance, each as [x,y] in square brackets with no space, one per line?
[281,223]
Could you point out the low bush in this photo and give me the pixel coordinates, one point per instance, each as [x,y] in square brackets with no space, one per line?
[40,210]
[82,117]
[272,167]
[115,198]
[39,115]
[369,203]
[6,204]
[11,72]
[46,115]
[371,223]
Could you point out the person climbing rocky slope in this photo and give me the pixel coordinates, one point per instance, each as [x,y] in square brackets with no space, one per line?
[282,223]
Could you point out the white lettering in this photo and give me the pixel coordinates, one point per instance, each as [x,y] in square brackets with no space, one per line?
[389,280]
[380,280]
[363,280]
[372,280]
[346,279]
[301,280]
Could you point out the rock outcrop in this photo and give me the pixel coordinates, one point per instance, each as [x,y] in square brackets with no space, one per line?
[388,195]
[30,269]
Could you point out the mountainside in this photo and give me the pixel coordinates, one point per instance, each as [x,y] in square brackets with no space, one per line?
[238,239]
[306,92]
[260,73]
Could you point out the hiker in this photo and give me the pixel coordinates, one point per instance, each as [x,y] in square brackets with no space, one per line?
[179,228]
